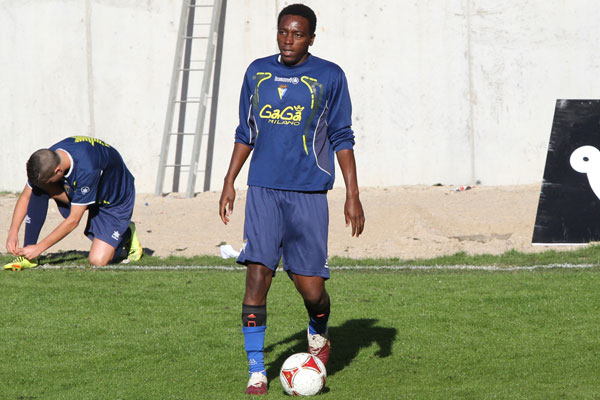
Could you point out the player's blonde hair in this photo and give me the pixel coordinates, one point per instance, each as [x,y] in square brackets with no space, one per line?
[41,166]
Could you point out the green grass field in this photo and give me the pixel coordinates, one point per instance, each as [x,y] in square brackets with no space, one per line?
[105,334]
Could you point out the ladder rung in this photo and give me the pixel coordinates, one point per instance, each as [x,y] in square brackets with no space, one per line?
[202,23]
[207,97]
[187,134]
[195,37]
[192,69]
[201,5]
[177,165]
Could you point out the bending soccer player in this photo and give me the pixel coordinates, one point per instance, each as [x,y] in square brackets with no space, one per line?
[295,113]
[80,173]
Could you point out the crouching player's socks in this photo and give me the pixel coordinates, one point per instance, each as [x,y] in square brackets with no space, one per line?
[254,320]
[318,338]
[37,209]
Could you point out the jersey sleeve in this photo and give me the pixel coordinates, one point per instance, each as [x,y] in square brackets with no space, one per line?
[86,188]
[339,117]
[246,130]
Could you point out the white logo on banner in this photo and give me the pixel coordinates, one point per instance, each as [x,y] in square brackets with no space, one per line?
[586,159]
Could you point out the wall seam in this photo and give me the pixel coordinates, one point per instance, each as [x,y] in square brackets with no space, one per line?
[471,97]
[90,70]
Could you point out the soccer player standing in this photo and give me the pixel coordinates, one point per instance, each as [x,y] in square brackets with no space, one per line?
[295,113]
[80,173]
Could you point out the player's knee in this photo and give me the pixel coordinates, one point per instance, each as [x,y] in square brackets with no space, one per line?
[258,282]
[98,260]
[315,298]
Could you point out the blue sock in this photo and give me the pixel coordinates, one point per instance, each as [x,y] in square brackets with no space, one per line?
[254,343]
[315,327]
[64,209]
[37,209]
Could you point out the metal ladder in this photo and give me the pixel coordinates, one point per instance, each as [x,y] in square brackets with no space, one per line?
[188,72]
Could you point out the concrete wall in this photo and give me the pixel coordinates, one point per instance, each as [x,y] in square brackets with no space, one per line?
[449,91]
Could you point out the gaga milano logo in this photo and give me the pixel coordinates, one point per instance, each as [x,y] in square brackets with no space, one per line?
[586,160]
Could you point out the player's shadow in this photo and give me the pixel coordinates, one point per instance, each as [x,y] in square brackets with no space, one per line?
[69,256]
[64,257]
[346,342]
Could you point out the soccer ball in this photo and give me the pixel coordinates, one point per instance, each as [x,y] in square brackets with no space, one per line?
[302,374]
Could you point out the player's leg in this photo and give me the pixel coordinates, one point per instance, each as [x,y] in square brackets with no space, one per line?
[318,306]
[258,283]
[101,253]
[63,208]
[305,259]
[37,210]
[130,239]
[261,255]
[316,301]
[133,247]
[254,320]
[107,228]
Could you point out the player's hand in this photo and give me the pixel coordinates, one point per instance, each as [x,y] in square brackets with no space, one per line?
[226,202]
[30,252]
[12,244]
[353,212]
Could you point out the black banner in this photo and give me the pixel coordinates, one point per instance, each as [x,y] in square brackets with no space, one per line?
[569,208]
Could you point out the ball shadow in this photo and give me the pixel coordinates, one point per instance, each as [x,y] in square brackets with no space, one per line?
[346,342]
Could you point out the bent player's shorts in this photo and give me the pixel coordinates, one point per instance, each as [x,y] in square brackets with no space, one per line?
[109,223]
[288,224]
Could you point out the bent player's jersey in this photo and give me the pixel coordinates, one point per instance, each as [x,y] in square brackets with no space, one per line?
[294,118]
[97,173]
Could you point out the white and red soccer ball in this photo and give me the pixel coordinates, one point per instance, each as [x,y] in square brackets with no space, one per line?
[302,374]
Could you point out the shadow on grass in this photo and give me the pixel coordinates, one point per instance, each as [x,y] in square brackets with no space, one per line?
[148,252]
[77,257]
[346,342]
[70,256]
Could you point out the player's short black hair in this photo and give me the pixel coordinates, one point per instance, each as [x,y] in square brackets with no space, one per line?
[303,11]
[41,166]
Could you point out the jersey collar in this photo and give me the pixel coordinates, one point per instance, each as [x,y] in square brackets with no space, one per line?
[72,163]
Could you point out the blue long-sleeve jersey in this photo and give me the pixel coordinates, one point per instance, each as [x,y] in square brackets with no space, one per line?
[294,118]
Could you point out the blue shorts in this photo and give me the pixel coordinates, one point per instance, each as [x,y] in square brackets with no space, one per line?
[288,224]
[109,223]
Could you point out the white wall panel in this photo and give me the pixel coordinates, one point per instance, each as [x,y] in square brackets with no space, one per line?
[449,91]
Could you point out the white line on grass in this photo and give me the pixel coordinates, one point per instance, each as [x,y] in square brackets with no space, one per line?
[350,268]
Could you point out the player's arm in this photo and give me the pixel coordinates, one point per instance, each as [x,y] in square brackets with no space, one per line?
[353,211]
[62,230]
[12,241]
[244,143]
[238,158]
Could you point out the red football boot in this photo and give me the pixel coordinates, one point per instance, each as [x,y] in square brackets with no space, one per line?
[320,346]
[257,385]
